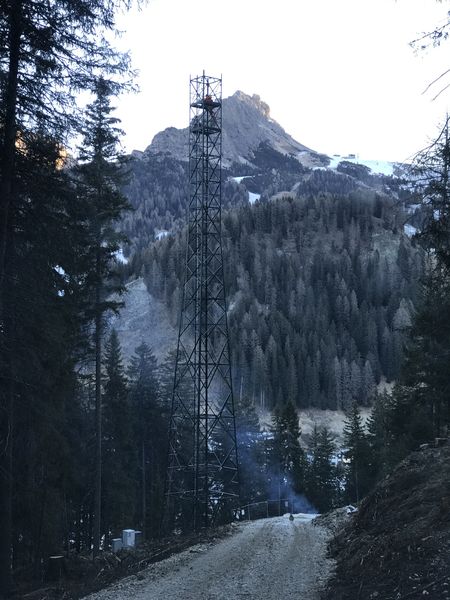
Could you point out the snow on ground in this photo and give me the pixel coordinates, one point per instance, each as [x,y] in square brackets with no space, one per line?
[267,559]
[60,271]
[306,517]
[377,166]
[409,230]
[252,198]
[120,257]
[239,179]
[411,208]
[64,276]
[161,234]
[308,159]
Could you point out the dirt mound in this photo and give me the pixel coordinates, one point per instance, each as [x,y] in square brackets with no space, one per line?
[397,546]
[335,520]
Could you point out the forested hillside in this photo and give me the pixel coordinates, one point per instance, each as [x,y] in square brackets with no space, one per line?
[158,190]
[320,293]
[321,279]
[327,301]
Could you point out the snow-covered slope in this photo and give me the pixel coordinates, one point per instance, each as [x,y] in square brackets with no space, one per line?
[381,167]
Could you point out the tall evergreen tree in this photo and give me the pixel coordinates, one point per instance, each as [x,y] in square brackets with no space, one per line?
[290,461]
[378,436]
[432,171]
[151,428]
[357,479]
[322,480]
[166,370]
[119,452]
[99,176]
[420,406]
[44,342]
[49,52]
[253,480]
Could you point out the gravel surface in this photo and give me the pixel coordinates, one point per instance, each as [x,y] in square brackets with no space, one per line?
[267,559]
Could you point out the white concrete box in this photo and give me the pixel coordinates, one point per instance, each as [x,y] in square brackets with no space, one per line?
[128,538]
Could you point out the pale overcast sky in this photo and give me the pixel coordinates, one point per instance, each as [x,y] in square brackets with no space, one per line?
[338,75]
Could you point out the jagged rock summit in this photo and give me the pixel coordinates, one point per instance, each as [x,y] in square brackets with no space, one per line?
[246,125]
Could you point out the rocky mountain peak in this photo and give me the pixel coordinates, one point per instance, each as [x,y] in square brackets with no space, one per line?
[254,101]
[246,125]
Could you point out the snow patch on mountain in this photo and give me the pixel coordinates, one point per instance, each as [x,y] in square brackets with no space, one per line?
[380,167]
[120,257]
[252,198]
[160,234]
[241,178]
[410,230]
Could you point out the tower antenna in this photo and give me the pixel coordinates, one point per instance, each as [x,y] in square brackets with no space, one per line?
[202,484]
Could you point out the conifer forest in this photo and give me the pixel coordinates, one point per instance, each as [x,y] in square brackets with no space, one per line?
[331,305]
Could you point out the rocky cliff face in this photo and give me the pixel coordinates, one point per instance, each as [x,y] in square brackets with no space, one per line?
[246,125]
[171,141]
[143,318]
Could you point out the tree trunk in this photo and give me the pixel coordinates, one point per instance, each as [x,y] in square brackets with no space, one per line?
[6,485]
[144,492]
[98,414]
[8,147]
[7,159]
[7,392]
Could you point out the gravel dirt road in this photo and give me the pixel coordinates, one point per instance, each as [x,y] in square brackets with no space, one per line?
[269,559]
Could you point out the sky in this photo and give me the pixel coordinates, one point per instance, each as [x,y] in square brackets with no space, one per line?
[339,76]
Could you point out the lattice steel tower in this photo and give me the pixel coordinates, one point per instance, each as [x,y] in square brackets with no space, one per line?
[202,474]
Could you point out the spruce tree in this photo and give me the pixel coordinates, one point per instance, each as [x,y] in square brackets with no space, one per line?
[46,341]
[289,456]
[253,481]
[50,51]
[432,173]
[119,452]
[99,176]
[322,481]
[150,426]
[420,407]
[166,370]
[378,436]
[357,456]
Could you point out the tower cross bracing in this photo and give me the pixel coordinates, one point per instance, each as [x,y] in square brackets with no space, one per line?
[202,472]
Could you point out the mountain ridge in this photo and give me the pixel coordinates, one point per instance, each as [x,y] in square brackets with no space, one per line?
[296,238]
[246,124]
[261,161]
